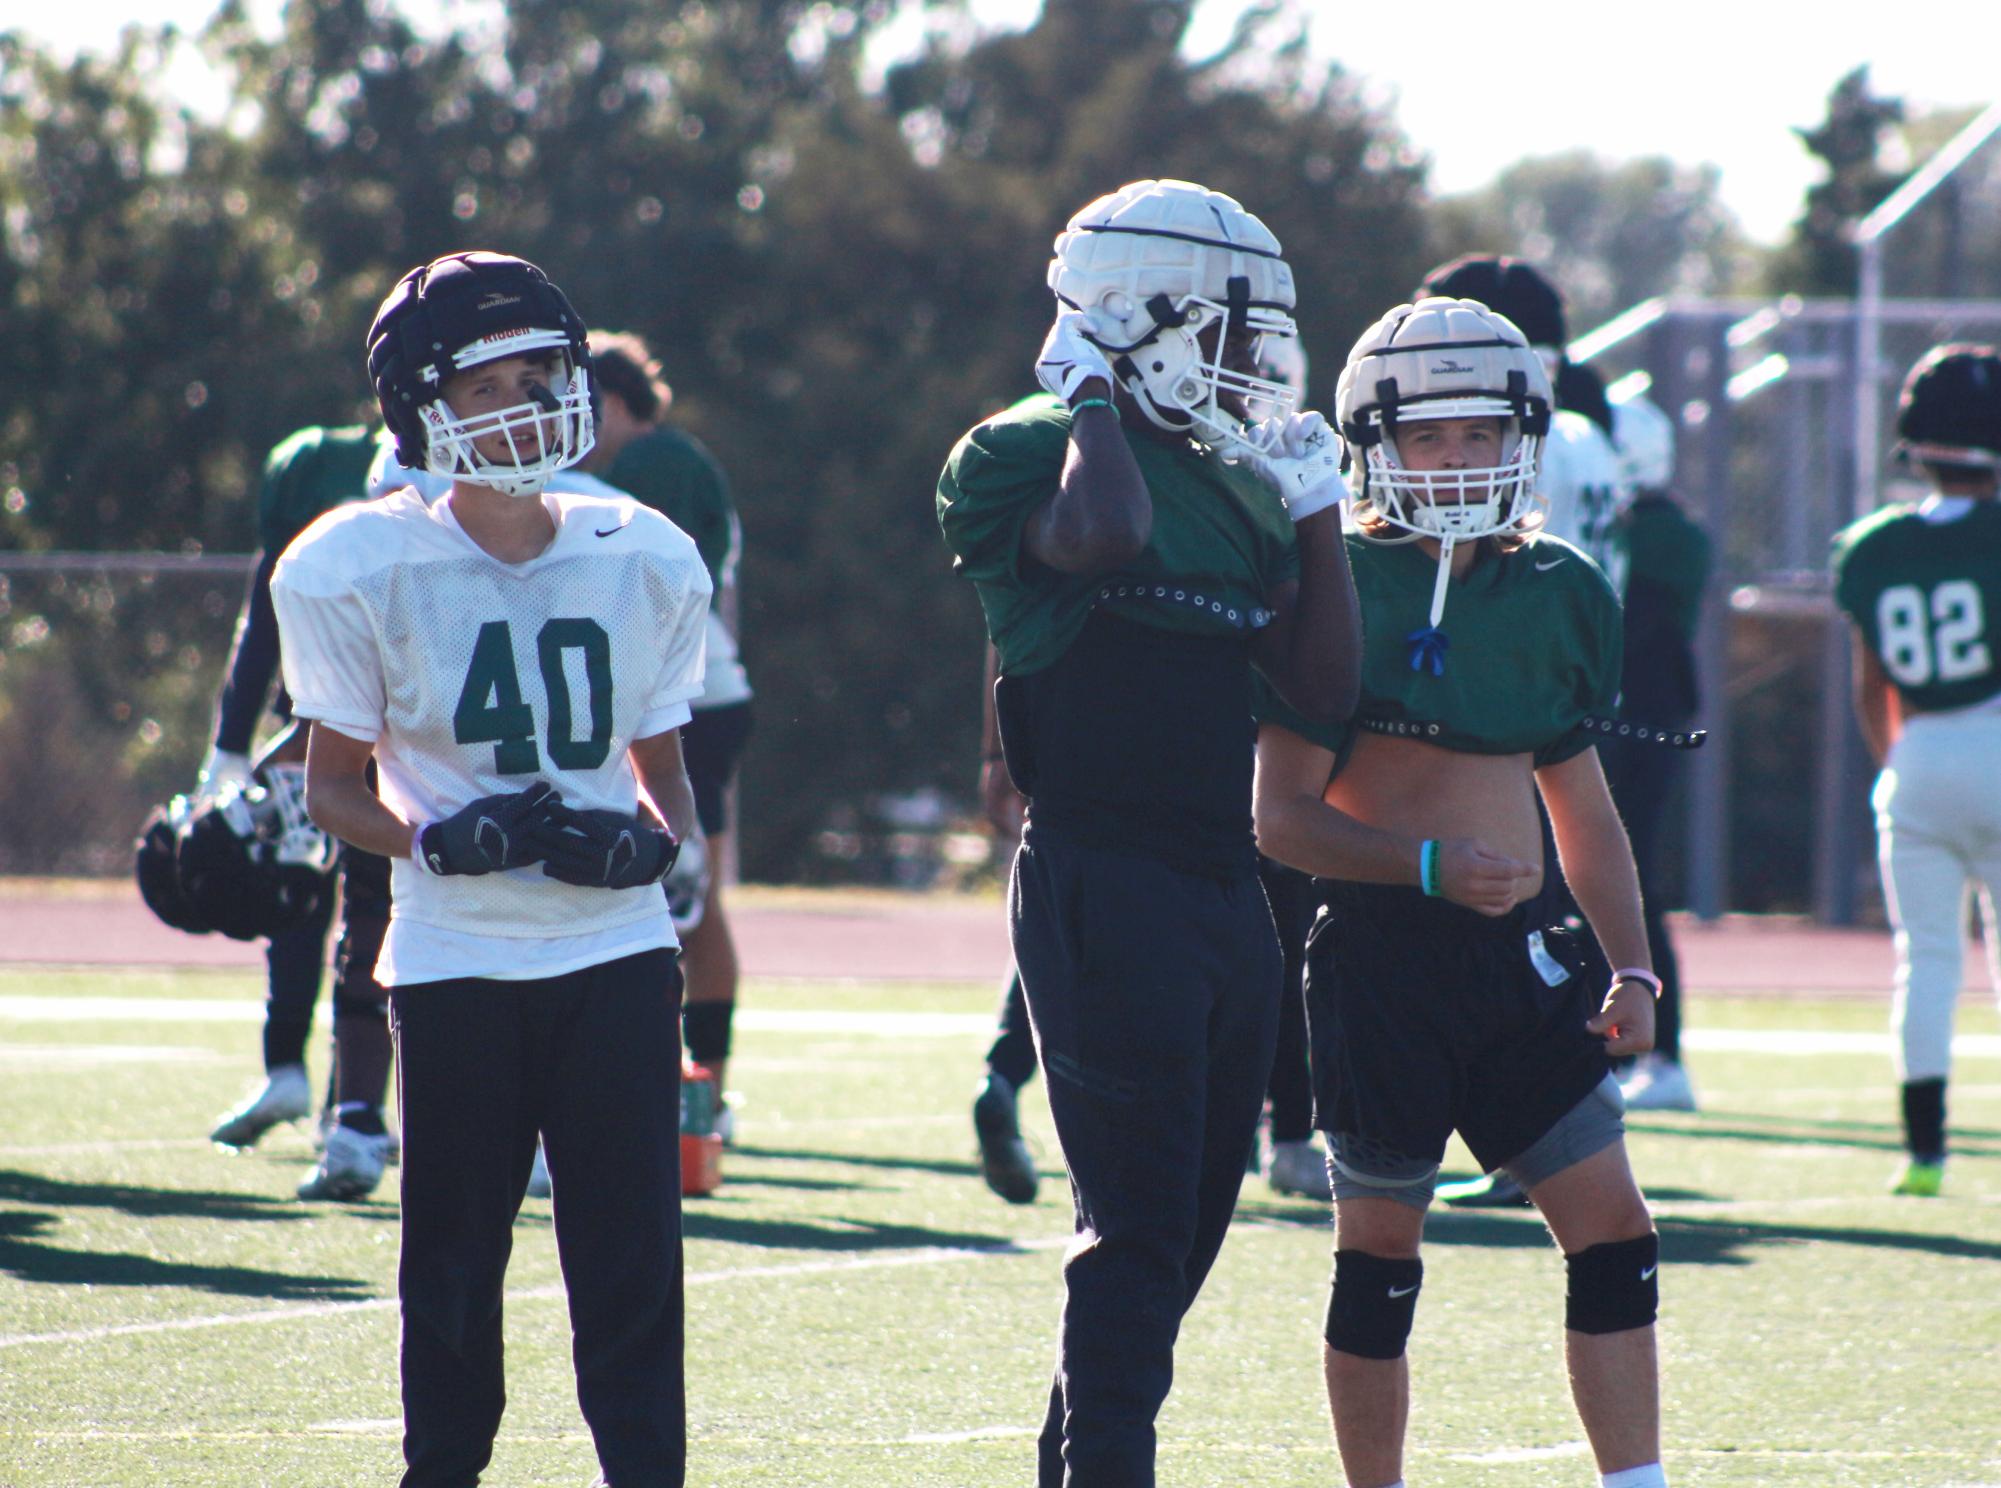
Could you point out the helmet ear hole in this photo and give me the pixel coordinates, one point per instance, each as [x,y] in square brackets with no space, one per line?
[1118,306]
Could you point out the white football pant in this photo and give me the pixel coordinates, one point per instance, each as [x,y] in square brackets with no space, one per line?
[1938,834]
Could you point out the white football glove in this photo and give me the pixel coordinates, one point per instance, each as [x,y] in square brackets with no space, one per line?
[687,883]
[1304,465]
[1069,359]
[222,769]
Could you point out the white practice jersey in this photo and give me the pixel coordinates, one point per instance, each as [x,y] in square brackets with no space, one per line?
[474,677]
[1586,490]
[724,680]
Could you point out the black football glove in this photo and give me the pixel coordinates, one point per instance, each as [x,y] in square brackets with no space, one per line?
[490,834]
[604,849]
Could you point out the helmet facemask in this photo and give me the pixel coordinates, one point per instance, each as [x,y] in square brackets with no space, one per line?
[1167,272]
[551,431]
[1180,383]
[1460,505]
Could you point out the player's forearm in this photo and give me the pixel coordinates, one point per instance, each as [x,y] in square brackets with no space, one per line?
[1304,832]
[1598,863]
[253,661]
[344,807]
[1101,516]
[1318,665]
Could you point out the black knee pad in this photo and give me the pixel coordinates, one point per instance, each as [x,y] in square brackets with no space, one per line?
[706,1027]
[1614,1286]
[1372,1304]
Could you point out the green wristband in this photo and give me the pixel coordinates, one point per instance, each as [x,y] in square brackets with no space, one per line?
[1427,867]
[1080,406]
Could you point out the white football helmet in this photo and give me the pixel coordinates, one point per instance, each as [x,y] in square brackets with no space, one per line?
[1153,266]
[1644,435]
[1442,359]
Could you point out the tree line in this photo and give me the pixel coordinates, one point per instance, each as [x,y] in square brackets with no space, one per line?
[841,272]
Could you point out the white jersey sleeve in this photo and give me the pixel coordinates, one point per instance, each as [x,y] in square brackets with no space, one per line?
[475,677]
[331,663]
[1586,490]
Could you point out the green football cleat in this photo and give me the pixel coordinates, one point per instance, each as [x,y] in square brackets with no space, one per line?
[1919,1180]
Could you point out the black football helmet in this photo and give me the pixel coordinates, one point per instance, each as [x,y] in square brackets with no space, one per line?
[251,863]
[1950,410]
[1513,286]
[457,312]
[159,882]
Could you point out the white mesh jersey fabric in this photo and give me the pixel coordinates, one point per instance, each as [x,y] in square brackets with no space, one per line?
[473,677]
[1586,490]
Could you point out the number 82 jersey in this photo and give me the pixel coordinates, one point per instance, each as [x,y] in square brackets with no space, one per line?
[1923,585]
[472,676]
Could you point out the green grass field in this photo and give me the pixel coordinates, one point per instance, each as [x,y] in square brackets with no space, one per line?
[863,1312]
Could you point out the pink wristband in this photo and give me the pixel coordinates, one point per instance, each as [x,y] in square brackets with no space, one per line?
[1637,974]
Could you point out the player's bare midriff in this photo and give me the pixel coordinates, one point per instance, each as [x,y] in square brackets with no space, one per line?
[1405,785]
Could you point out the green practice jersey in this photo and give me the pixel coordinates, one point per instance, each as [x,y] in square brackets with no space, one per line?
[672,473]
[1666,549]
[1220,548]
[1535,648]
[1923,584]
[308,475]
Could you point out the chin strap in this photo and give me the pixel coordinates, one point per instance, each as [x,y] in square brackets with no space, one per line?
[1429,645]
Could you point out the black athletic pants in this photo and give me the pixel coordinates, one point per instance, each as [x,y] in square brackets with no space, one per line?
[295,963]
[1012,1054]
[1294,903]
[1295,900]
[592,1061]
[1642,778]
[1154,995]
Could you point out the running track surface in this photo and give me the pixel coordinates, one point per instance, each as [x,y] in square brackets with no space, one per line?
[875,936]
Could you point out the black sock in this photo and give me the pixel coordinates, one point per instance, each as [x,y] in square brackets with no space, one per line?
[706,1028]
[360,1116]
[1924,1120]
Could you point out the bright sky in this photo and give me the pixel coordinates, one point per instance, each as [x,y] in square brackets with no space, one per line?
[1719,81]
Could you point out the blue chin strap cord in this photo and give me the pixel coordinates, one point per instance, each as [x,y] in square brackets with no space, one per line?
[1429,644]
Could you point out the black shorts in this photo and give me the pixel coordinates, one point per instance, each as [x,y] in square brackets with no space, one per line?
[1427,1018]
[711,744]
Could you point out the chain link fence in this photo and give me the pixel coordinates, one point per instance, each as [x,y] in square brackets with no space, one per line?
[109,668]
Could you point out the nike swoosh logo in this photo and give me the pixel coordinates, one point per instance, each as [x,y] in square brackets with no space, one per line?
[1539,568]
[608,531]
[1648,1274]
[1404,1291]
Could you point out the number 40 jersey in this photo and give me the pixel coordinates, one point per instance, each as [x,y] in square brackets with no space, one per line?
[1923,585]
[472,676]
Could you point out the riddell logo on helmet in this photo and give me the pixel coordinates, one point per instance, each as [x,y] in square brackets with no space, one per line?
[1448,366]
[496,298]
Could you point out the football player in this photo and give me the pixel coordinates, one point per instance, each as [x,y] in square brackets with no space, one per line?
[1667,569]
[1137,548]
[310,472]
[670,471]
[1436,1003]
[517,664]
[1921,586]
[1583,491]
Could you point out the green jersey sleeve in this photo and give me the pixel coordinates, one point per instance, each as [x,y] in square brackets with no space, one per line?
[674,474]
[1220,548]
[307,475]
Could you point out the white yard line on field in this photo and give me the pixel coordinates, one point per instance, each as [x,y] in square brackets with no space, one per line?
[930,1255]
